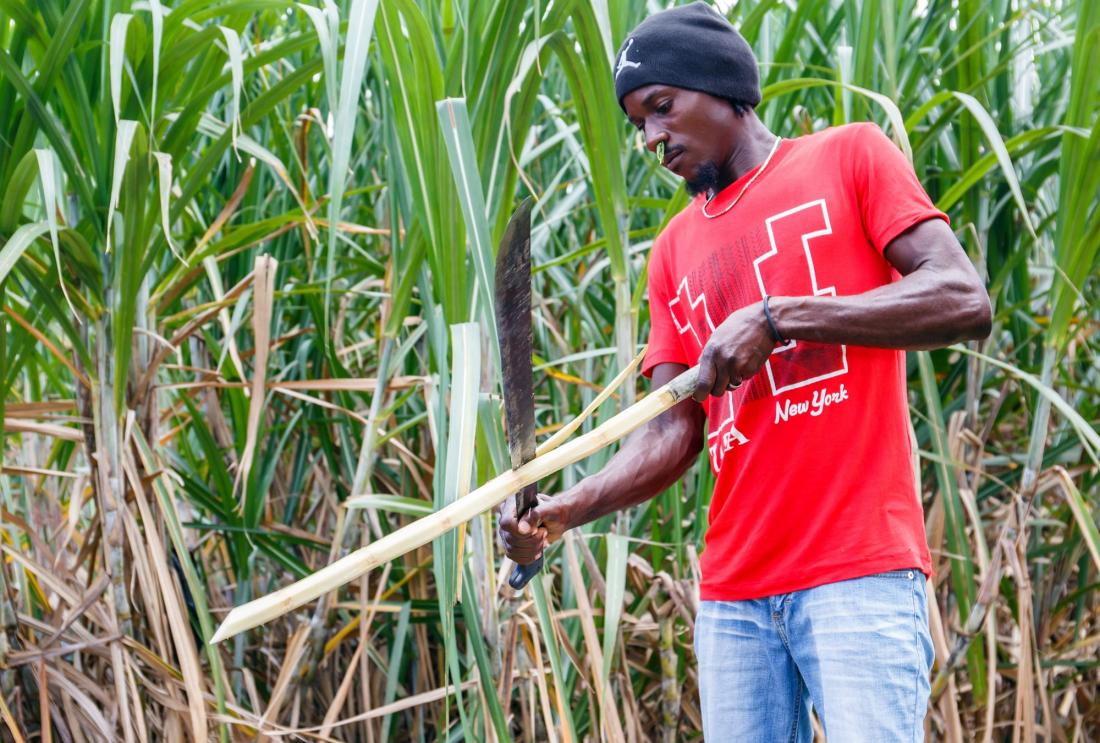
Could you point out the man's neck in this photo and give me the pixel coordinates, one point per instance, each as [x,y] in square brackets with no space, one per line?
[752,144]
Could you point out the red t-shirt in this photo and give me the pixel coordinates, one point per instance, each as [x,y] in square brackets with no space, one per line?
[812,455]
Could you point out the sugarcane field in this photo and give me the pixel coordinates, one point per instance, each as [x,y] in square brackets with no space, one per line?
[562,371]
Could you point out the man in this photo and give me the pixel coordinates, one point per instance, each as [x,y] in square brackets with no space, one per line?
[796,279]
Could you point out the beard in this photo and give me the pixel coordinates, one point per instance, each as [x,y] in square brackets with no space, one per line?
[703,180]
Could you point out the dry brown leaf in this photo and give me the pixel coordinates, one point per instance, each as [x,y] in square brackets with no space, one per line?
[609,715]
[92,710]
[175,612]
[263,302]
[36,472]
[147,377]
[37,409]
[295,647]
[9,720]
[354,229]
[318,385]
[53,349]
[322,403]
[45,429]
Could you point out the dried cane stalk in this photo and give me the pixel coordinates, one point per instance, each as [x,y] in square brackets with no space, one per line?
[419,533]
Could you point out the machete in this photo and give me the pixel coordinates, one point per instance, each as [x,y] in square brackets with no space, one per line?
[513,311]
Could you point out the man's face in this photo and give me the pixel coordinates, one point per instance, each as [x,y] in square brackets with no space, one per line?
[694,126]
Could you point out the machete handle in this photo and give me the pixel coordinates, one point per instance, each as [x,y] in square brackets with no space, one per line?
[523,573]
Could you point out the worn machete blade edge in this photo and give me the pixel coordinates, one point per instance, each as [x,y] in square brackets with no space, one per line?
[513,316]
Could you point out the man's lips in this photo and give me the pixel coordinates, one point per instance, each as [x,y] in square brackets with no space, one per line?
[671,157]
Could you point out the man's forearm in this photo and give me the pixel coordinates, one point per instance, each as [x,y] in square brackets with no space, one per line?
[939,300]
[648,462]
[913,314]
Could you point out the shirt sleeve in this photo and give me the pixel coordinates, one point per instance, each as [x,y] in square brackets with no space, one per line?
[891,198]
[664,338]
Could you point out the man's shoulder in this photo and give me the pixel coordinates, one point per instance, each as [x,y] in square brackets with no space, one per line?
[849,147]
[844,133]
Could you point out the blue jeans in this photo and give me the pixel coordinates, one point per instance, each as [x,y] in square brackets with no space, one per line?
[858,651]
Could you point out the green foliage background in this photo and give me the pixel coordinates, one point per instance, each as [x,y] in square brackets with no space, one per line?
[245,254]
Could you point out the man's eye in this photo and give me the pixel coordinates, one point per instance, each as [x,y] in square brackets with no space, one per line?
[664,108]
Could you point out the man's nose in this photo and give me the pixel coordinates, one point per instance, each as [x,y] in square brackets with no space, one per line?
[652,139]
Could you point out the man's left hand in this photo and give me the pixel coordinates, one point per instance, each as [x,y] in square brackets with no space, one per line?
[736,350]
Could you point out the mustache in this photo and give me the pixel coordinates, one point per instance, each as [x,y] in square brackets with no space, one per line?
[670,153]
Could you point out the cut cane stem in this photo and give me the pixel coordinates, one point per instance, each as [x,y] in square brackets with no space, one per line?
[423,531]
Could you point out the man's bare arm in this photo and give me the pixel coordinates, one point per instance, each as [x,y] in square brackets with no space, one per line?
[938,301]
[650,460]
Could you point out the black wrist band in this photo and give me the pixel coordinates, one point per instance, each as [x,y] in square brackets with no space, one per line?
[771,324]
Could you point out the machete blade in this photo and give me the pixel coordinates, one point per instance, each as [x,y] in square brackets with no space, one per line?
[513,311]
[513,315]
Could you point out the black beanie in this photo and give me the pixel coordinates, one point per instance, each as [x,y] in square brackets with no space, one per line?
[692,47]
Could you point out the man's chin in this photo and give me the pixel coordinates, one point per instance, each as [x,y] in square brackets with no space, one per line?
[703,179]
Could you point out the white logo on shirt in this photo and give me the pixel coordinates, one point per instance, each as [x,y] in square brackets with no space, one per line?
[816,212]
[726,435]
[689,303]
[687,311]
[623,61]
[815,406]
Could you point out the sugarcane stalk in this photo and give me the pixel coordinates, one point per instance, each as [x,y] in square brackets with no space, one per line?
[422,531]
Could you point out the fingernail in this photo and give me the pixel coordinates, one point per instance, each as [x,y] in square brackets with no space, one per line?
[524,527]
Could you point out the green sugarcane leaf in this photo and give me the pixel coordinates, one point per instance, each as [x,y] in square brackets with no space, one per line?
[124,138]
[18,243]
[997,144]
[119,23]
[454,123]
[356,46]
[618,549]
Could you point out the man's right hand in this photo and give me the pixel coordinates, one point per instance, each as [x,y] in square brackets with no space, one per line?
[525,540]
[649,460]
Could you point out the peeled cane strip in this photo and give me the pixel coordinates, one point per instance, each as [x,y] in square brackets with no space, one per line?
[422,531]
